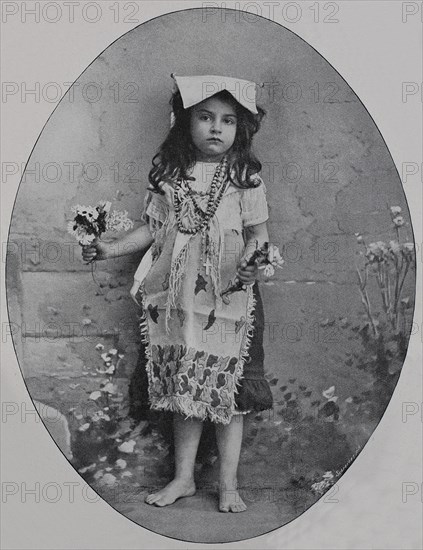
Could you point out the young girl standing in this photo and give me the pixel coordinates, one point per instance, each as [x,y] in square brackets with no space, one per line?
[205,213]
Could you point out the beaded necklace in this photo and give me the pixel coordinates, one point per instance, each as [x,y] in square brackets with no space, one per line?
[201,218]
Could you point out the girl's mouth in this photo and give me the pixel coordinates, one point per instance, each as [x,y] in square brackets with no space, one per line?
[215,140]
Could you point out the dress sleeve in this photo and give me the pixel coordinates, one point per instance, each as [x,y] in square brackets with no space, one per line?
[155,210]
[254,207]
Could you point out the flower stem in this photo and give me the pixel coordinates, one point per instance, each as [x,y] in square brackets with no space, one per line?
[94,279]
[365,301]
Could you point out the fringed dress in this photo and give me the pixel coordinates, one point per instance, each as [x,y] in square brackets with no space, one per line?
[203,354]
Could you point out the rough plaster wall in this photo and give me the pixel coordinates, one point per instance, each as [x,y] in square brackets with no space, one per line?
[51,291]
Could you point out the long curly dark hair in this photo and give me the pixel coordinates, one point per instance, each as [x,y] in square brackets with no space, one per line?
[177,154]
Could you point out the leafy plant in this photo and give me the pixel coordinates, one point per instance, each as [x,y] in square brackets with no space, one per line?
[389,263]
[106,439]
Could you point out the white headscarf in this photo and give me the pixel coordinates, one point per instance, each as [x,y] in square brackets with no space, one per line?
[195,89]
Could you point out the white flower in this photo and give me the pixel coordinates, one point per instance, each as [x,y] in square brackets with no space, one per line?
[70,227]
[269,270]
[113,351]
[127,447]
[106,357]
[109,388]
[120,463]
[88,212]
[407,251]
[319,487]
[108,479]
[329,393]
[381,245]
[395,247]
[99,415]
[376,251]
[119,221]
[95,395]
[93,213]
[80,233]
[396,210]
[84,427]
[99,347]
[398,221]
[275,256]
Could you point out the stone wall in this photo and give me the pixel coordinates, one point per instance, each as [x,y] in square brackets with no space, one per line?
[327,169]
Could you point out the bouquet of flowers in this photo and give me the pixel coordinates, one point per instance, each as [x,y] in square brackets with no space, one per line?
[267,257]
[91,222]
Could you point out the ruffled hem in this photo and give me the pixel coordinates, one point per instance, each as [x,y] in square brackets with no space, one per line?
[191,409]
[254,394]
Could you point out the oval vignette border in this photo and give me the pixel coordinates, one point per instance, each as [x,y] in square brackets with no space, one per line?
[303,43]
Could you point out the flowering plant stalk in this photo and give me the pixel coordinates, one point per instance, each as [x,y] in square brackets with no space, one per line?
[267,257]
[390,262]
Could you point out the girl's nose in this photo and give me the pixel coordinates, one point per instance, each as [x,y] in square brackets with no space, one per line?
[216,126]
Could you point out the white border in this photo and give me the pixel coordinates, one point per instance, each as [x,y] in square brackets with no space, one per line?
[375,52]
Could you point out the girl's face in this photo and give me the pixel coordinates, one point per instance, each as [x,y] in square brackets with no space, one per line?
[213,128]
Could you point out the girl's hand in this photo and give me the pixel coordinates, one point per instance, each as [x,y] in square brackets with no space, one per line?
[95,251]
[247,274]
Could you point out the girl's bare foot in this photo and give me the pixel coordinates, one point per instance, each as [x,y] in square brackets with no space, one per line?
[177,488]
[229,498]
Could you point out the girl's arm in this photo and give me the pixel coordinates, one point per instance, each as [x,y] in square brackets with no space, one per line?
[137,240]
[249,273]
[255,233]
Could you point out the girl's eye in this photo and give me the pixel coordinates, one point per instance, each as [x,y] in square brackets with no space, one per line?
[204,117]
[229,121]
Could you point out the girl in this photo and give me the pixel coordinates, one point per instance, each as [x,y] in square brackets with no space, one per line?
[205,213]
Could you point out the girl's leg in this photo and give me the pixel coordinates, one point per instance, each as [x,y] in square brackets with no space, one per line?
[187,433]
[229,438]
